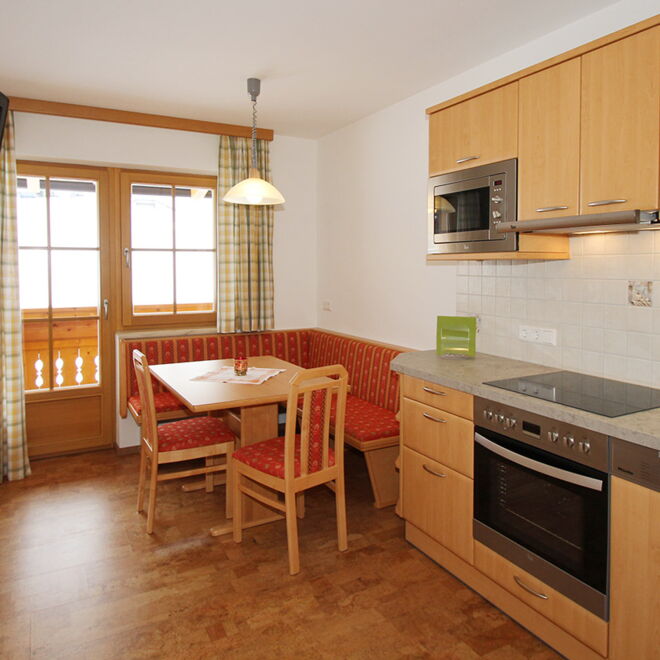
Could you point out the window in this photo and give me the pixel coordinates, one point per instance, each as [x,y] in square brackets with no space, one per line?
[169,249]
[60,280]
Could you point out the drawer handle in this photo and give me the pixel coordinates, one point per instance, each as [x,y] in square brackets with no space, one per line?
[434,419]
[430,390]
[543,209]
[433,472]
[465,160]
[520,583]
[605,202]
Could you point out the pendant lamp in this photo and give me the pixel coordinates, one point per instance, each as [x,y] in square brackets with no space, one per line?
[254,190]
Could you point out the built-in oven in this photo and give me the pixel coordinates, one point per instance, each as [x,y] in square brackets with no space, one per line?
[465,208]
[541,499]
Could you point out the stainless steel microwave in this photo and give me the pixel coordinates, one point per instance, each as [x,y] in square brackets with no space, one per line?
[465,208]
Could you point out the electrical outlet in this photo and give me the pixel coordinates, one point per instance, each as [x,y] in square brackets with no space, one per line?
[326,306]
[538,335]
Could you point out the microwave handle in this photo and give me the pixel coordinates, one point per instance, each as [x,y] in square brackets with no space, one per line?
[549,470]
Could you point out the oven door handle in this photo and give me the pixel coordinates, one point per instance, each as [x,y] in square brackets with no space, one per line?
[537,466]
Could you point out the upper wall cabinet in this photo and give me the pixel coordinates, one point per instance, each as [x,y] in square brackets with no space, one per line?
[620,132]
[549,142]
[483,129]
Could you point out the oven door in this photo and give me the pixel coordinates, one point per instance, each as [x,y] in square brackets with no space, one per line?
[544,513]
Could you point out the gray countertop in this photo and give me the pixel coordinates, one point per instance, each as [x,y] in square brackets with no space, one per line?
[469,374]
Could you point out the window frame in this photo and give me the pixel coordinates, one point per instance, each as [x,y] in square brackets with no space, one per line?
[126,179]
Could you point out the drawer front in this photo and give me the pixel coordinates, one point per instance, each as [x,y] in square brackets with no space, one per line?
[575,620]
[438,396]
[438,500]
[437,434]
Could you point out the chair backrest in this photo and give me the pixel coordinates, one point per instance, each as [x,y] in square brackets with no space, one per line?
[148,427]
[319,390]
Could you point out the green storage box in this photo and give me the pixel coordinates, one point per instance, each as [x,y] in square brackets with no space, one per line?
[457,335]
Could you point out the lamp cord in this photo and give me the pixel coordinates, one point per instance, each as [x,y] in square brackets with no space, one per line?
[254,133]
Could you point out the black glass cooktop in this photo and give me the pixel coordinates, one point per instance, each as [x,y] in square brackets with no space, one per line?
[602,396]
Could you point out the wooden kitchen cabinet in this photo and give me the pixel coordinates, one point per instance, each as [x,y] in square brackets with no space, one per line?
[635,572]
[620,140]
[481,130]
[438,501]
[549,142]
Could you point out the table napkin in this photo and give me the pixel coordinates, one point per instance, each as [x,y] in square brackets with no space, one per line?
[254,376]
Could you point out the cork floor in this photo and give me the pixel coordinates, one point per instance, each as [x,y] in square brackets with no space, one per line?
[80,578]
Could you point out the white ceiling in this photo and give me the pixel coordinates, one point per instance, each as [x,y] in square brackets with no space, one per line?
[323,64]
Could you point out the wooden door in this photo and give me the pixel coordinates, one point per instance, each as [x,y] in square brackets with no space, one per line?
[549,142]
[438,501]
[635,571]
[63,232]
[480,130]
[620,142]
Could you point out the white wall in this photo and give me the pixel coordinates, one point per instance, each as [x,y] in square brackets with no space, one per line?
[293,162]
[372,200]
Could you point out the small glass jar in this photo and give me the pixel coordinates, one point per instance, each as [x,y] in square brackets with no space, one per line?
[240,365]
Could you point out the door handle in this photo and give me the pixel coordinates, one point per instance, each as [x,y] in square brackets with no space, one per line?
[106,308]
[538,594]
[605,202]
[433,472]
[465,160]
[544,209]
[127,257]
[432,391]
[434,419]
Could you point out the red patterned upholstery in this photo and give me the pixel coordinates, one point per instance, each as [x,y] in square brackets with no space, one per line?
[163,402]
[268,456]
[193,432]
[366,421]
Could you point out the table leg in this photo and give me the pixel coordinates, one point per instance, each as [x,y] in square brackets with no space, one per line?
[257,423]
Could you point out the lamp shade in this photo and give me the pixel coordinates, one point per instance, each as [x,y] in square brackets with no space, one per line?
[254,191]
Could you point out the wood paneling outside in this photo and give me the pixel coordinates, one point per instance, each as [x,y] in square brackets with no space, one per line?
[485,127]
[620,143]
[549,142]
[635,577]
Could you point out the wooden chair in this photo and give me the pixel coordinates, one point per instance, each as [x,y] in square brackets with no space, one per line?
[294,463]
[185,440]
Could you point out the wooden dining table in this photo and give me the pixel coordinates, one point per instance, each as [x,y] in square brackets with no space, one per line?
[251,411]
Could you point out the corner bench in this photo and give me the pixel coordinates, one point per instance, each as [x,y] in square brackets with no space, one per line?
[371,425]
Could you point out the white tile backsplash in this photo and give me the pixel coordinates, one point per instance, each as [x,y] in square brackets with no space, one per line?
[585,299]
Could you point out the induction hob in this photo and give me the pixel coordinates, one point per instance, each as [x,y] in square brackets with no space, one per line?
[602,396]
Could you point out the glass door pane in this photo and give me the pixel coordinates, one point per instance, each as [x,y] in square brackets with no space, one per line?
[59,279]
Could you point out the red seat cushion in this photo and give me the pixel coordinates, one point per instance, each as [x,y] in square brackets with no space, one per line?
[193,432]
[367,421]
[163,402]
[268,456]
[363,420]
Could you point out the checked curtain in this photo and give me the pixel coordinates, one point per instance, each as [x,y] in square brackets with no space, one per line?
[13,442]
[245,244]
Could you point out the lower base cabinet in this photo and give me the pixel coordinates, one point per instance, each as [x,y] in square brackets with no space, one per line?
[438,500]
[574,619]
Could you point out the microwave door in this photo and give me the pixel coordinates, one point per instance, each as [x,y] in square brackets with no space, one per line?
[461,211]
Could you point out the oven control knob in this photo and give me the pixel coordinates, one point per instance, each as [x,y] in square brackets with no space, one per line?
[496,200]
[585,446]
[512,423]
[497,214]
[553,436]
[500,418]
[569,441]
[488,414]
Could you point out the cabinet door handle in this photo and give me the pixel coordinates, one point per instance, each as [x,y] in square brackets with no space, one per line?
[544,209]
[434,419]
[433,472]
[605,202]
[432,391]
[465,160]
[520,583]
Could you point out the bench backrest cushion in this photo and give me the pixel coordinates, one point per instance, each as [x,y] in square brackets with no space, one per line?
[289,345]
[368,366]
